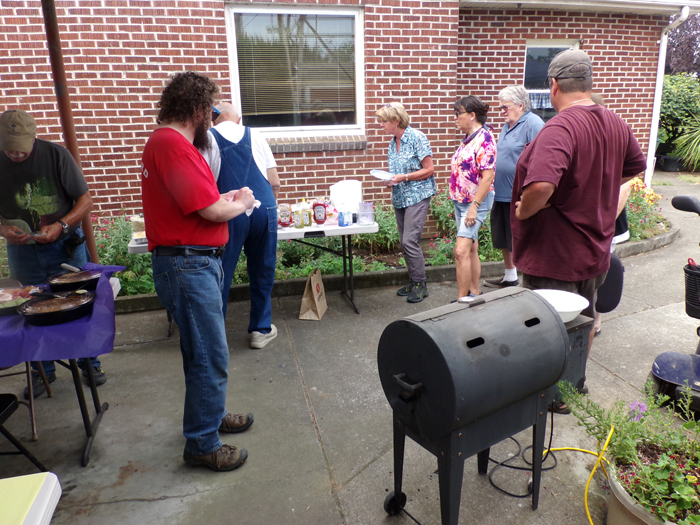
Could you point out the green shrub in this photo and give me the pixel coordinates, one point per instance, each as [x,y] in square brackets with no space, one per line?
[441,251]
[442,209]
[112,236]
[688,146]
[680,102]
[386,240]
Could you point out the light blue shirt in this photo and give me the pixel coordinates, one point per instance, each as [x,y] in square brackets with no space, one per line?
[414,148]
[511,142]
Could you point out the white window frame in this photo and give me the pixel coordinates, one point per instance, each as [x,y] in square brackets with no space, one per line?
[302,131]
[572,44]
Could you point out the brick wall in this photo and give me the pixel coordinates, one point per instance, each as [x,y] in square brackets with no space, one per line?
[118,54]
[623,48]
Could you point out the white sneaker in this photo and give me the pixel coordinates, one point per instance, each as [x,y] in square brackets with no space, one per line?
[466,299]
[259,340]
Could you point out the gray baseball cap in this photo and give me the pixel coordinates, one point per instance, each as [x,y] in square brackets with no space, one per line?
[571,63]
[17,131]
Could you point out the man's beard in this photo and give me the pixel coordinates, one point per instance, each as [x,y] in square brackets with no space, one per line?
[201,140]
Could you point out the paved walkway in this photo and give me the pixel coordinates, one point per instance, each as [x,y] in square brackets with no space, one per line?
[321,446]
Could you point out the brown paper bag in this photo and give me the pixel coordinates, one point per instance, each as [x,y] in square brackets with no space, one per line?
[313,303]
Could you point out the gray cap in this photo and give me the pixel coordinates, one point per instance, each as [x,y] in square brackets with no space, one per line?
[17,131]
[571,63]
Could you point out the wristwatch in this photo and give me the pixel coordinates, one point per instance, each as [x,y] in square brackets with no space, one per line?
[66,228]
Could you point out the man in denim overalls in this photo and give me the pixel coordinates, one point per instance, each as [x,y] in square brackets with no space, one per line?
[238,157]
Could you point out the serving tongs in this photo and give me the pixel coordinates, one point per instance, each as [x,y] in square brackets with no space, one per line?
[38,294]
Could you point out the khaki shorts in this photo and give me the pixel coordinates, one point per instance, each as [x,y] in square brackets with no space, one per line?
[587,288]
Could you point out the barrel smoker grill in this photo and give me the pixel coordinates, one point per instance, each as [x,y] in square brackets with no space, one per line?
[464,377]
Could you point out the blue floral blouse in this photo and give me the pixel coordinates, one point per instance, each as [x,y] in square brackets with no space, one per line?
[414,148]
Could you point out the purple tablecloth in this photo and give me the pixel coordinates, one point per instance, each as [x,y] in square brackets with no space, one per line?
[89,336]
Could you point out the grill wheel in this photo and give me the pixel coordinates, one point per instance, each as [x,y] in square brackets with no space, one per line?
[394,505]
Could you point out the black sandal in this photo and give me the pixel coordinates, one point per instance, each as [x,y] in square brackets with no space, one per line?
[559,407]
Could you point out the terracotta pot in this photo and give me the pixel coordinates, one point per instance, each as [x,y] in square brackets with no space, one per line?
[623,510]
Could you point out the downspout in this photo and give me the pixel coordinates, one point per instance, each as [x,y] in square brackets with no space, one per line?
[656,110]
[53,41]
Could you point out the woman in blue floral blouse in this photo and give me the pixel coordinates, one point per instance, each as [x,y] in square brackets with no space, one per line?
[411,164]
[471,189]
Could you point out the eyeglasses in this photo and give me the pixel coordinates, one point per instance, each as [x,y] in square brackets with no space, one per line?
[458,113]
[214,113]
[506,108]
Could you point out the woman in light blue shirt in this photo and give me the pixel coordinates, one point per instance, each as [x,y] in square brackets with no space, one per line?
[410,161]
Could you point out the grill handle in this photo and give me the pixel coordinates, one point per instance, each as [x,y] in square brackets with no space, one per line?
[409,392]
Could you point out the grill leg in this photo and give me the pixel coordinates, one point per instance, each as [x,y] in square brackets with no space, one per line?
[399,446]
[450,472]
[538,432]
[482,461]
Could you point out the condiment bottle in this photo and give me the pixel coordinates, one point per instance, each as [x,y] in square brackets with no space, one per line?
[297,217]
[285,215]
[319,209]
[306,213]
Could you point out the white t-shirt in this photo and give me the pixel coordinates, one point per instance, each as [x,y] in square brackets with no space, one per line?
[262,154]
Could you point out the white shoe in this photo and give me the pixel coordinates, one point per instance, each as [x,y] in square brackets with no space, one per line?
[260,340]
[466,299]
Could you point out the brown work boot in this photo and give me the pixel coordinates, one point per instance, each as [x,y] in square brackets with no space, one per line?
[222,460]
[234,423]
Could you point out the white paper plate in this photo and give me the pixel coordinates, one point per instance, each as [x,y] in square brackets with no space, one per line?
[568,305]
[381,174]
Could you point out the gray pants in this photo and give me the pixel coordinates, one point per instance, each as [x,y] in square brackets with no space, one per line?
[410,222]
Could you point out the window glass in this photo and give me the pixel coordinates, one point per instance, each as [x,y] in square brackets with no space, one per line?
[296,69]
[537,59]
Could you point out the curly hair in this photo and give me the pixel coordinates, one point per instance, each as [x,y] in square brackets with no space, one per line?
[187,95]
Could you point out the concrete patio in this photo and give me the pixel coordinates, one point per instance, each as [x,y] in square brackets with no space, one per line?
[320,450]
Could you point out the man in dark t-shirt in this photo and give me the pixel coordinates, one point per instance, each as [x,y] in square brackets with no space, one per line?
[43,200]
[567,183]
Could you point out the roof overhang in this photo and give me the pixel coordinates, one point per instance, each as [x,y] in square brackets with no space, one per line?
[647,7]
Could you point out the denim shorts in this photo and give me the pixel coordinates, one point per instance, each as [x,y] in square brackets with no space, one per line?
[472,232]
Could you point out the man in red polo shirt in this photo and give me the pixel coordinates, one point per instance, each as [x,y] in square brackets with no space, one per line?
[186,226]
[566,187]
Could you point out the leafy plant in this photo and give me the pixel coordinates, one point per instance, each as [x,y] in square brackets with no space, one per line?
[688,145]
[643,217]
[654,455]
[441,251]
[112,236]
[680,102]
[386,240]
[442,209]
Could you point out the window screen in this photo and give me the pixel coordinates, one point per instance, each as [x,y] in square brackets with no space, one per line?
[296,69]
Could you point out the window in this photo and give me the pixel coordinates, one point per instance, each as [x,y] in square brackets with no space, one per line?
[539,53]
[297,72]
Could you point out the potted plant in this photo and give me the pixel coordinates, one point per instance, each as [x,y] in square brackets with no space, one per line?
[654,457]
[688,145]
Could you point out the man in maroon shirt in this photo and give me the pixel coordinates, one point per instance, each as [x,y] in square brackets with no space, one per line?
[566,187]
[187,228]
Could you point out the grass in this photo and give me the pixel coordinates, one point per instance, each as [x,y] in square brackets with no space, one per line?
[692,179]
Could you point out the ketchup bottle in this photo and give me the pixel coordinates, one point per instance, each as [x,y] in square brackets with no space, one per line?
[285,216]
[319,212]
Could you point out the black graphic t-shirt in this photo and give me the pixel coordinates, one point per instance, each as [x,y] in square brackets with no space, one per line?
[41,189]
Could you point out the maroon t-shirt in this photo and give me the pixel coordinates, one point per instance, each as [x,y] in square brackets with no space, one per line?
[584,151]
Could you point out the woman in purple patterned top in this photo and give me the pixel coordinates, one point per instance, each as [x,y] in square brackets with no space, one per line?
[471,189]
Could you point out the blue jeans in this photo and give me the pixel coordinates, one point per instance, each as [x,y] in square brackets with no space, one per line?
[34,263]
[190,289]
[258,235]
